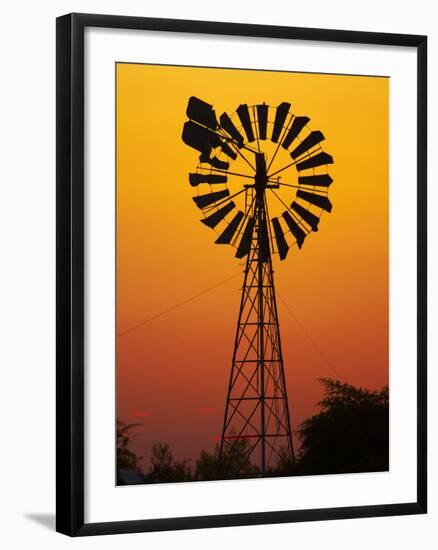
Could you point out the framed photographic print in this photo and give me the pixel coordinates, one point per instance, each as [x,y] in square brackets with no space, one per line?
[241,274]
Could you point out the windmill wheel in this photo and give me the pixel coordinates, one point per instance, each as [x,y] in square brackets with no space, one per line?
[258,154]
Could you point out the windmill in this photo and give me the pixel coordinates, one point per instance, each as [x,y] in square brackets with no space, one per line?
[249,206]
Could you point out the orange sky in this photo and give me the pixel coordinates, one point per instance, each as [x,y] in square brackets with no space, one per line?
[172,372]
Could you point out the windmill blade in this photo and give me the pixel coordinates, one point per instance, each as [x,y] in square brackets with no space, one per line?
[215,162]
[282,245]
[310,141]
[307,216]
[219,215]
[199,138]
[323,180]
[201,112]
[227,150]
[226,236]
[296,230]
[318,200]
[245,119]
[196,179]
[297,125]
[262,117]
[280,117]
[228,126]
[245,242]
[317,160]
[202,201]
[264,249]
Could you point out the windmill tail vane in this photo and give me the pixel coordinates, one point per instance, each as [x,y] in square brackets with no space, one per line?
[237,204]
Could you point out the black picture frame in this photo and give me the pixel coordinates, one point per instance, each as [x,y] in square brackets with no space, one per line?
[70,273]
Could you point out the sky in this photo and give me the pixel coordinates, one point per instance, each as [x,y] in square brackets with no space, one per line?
[174,361]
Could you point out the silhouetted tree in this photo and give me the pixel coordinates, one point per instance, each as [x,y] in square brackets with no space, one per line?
[207,465]
[126,459]
[235,461]
[165,468]
[285,466]
[349,434]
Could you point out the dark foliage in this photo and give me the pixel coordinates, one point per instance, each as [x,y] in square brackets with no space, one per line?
[349,434]
[235,462]
[126,459]
[165,468]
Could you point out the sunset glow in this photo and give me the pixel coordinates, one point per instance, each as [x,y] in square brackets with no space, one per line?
[175,341]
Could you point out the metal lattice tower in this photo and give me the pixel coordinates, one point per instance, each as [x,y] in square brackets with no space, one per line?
[257,405]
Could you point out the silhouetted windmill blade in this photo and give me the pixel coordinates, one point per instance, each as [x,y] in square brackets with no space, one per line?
[202,112]
[200,138]
[202,201]
[228,126]
[282,245]
[245,242]
[297,125]
[310,141]
[264,242]
[296,230]
[215,162]
[318,200]
[262,117]
[305,215]
[212,179]
[228,233]
[317,160]
[323,180]
[219,215]
[243,113]
[228,150]
[280,117]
